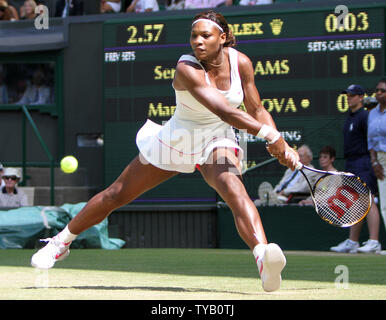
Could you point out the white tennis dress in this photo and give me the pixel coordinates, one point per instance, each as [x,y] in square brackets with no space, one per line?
[193,132]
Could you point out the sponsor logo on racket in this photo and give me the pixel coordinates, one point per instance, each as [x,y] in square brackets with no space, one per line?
[340,197]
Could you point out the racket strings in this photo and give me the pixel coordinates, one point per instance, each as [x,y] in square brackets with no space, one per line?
[341,200]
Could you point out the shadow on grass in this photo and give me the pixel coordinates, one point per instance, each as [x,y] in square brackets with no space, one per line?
[363,269]
[167,289]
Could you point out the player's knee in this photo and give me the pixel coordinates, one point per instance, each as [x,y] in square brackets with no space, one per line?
[232,189]
[115,196]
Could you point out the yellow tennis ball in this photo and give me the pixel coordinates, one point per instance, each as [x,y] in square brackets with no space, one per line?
[69,164]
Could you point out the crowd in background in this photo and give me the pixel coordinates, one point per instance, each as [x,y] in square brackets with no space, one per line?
[27,83]
[20,9]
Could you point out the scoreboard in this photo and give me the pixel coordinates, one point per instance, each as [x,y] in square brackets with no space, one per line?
[302,61]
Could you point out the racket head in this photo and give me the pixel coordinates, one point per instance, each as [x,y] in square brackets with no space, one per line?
[341,199]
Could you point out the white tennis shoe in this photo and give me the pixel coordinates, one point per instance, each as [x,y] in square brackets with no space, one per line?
[270,266]
[54,251]
[371,246]
[347,246]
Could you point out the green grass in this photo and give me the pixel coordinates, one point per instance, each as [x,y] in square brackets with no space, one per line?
[187,274]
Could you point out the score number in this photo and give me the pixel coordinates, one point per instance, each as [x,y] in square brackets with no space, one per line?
[150,33]
[368,63]
[351,22]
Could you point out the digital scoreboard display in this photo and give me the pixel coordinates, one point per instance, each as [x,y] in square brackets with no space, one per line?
[302,61]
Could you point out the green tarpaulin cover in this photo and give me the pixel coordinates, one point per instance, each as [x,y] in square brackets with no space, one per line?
[23,227]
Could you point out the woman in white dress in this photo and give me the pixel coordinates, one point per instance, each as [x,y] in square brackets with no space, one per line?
[210,83]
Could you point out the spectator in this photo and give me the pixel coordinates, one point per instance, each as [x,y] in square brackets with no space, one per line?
[377,142]
[222,3]
[175,4]
[2,183]
[254,2]
[27,10]
[293,182]
[358,162]
[111,6]
[7,12]
[65,8]
[38,92]
[370,103]
[17,90]
[199,4]
[292,187]
[327,157]
[3,89]
[143,6]
[10,196]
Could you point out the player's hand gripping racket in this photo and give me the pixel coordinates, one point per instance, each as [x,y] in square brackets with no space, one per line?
[340,198]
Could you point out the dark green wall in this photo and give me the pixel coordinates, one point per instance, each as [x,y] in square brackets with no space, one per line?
[292,227]
[82,92]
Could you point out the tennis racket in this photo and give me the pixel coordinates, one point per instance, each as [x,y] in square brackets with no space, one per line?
[258,165]
[340,198]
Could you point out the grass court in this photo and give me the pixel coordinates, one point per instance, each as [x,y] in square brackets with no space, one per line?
[190,274]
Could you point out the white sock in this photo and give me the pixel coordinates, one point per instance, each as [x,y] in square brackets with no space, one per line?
[66,236]
[259,250]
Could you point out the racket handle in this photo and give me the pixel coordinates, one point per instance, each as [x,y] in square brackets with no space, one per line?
[299,166]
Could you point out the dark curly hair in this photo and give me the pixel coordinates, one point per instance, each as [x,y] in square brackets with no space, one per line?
[328,150]
[220,20]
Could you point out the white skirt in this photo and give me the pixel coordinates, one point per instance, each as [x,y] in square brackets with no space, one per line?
[173,147]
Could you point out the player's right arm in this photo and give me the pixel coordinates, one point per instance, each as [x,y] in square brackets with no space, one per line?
[191,77]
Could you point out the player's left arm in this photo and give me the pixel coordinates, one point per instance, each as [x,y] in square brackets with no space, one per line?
[254,106]
[252,101]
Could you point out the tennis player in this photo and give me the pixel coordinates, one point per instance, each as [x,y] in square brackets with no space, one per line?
[210,83]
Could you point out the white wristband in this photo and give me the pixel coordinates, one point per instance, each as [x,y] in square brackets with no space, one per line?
[264,131]
[268,133]
[276,136]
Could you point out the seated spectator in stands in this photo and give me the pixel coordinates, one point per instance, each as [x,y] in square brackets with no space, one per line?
[326,162]
[293,182]
[223,3]
[199,4]
[292,187]
[3,89]
[65,8]
[27,10]
[10,196]
[143,6]
[111,6]
[38,92]
[254,2]
[16,91]
[7,12]
[175,4]
[327,157]
[2,183]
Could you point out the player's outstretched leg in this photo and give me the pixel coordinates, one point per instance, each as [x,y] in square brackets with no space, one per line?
[134,180]
[222,176]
